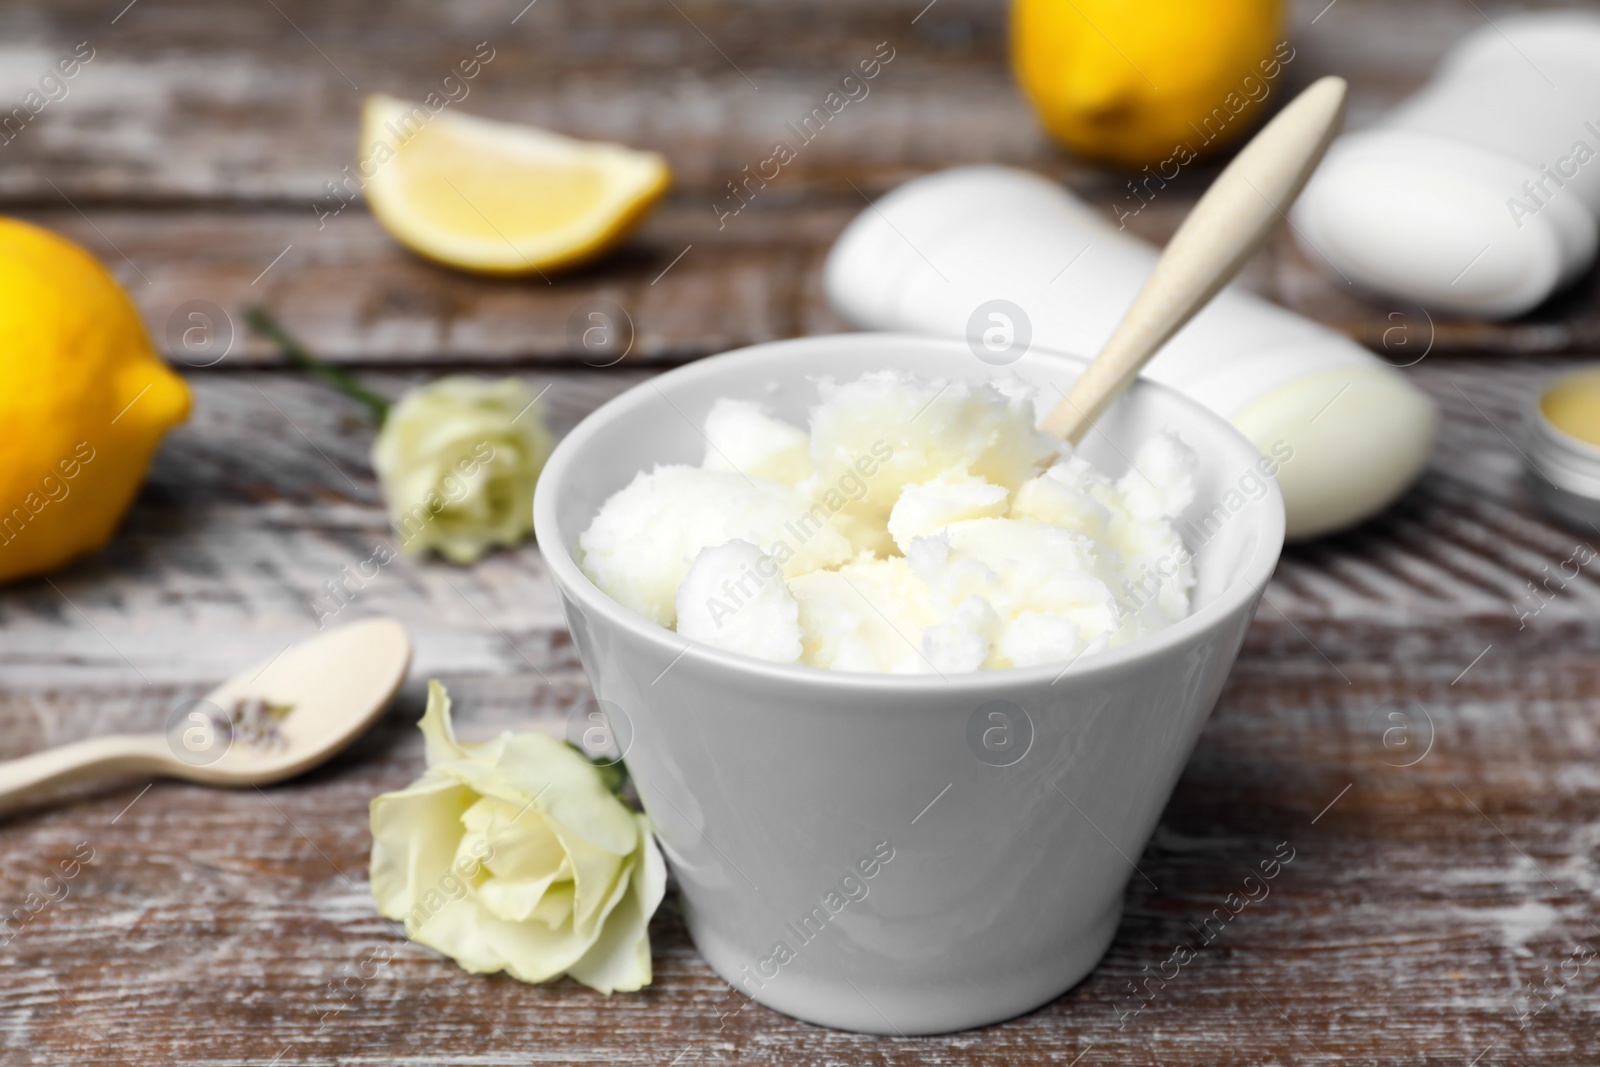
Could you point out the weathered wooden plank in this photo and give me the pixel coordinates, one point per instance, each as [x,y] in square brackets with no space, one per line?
[246,108]
[1400,933]
[681,288]
[226,916]
[252,103]
[240,525]
[678,290]
[224,556]
[242,520]
[239,111]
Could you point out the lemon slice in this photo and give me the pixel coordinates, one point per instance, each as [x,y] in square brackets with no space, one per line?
[497,197]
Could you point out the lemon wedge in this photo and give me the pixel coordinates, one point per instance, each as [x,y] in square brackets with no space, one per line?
[497,197]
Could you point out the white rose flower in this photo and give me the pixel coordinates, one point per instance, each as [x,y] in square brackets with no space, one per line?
[457,460]
[513,855]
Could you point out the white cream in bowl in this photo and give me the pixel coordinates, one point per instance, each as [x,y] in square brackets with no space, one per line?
[918,526]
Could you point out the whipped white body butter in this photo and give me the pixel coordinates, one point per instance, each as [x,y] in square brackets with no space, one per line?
[922,526]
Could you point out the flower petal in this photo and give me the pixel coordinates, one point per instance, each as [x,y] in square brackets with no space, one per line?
[414,836]
[484,943]
[521,854]
[619,959]
[440,735]
[556,907]
[599,880]
[569,790]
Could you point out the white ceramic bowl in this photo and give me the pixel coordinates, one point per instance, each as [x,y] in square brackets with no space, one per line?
[998,813]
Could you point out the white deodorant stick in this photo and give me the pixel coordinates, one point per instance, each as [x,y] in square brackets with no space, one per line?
[1479,194]
[1010,260]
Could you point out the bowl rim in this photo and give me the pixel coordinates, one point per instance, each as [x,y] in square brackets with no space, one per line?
[1248,585]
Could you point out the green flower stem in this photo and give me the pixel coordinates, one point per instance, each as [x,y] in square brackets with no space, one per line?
[338,377]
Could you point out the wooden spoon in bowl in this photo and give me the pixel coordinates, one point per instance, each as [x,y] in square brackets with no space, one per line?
[276,720]
[1223,230]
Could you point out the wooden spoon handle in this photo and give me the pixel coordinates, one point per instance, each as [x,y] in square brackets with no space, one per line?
[1225,228]
[99,758]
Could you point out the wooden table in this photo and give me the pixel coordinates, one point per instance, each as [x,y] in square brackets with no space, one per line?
[215,927]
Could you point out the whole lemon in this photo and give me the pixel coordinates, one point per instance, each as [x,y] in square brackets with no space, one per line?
[84,401]
[1138,81]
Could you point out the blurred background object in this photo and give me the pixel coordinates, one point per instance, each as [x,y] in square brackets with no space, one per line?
[1561,450]
[84,400]
[1148,82]
[497,197]
[964,251]
[1477,195]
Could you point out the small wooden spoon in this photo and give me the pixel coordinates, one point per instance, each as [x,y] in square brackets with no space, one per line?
[1225,228]
[276,720]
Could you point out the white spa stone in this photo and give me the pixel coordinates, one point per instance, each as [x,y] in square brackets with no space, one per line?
[1479,194]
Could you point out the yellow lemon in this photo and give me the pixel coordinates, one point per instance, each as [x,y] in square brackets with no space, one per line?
[1140,81]
[84,400]
[497,197]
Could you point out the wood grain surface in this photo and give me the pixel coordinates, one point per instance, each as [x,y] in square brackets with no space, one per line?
[1430,756]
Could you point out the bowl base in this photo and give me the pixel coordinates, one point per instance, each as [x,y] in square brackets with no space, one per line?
[915,1006]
